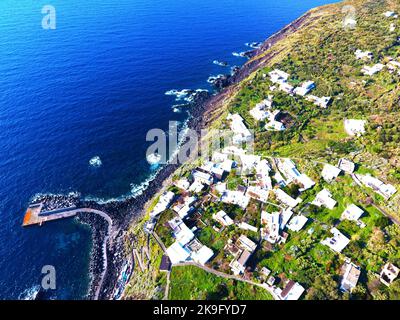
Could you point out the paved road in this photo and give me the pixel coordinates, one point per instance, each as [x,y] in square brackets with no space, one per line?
[159,241]
[166,296]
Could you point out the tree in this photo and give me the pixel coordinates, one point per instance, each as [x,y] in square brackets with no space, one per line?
[360,292]
[394,290]
[324,288]
[377,241]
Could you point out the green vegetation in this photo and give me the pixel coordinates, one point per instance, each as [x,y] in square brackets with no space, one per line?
[191,282]
[322,51]
[148,283]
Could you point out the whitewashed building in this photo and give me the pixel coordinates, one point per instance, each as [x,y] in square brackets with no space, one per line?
[337,242]
[352,213]
[354,127]
[330,173]
[324,199]
[305,88]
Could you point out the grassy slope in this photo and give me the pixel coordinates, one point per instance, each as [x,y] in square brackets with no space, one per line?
[324,52]
[149,283]
[190,282]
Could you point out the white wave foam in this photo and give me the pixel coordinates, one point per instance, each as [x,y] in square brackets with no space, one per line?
[95,162]
[153,158]
[220,63]
[30,293]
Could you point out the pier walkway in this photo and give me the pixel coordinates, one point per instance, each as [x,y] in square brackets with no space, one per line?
[35,216]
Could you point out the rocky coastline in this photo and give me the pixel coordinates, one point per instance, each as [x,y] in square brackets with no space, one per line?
[203,109]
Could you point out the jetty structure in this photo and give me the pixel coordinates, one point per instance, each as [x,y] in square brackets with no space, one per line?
[34,215]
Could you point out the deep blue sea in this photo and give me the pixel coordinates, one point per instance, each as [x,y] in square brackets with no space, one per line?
[93,87]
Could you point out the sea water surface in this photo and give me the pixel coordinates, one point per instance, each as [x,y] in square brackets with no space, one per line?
[92,87]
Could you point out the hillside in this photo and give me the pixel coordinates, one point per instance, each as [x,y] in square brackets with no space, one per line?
[312,133]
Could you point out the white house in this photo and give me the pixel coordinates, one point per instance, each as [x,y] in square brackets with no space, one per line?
[235,197]
[305,88]
[184,207]
[370,71]
[292,291]
[246,244]
[297,223]
[350,275]
[182,210]
[218,169]
[286,87]
[263,168]
[249,162]
[199,253]
[352,212]
[389,273]
[330,173]
[258,193]
[241,133]
[274,125]
[163,203]
[196,186]
[181,231]
[385,190]
[354,127]
[279,179]
[389,14]
[247,227]
[259,114]
[289,170]
[324,199]
[283,197]
[346,165]
[338,242]
[363,55]
[393,65]
[238,265]
[223,218]
[262,110]
[321,102]
[220,187]
[183,184]
[271,222]
[219,156]
[202,177]
[285,217]
[278,76]
[177,253]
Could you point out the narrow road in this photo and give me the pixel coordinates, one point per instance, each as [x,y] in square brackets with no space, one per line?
[386,214]
[166,295]
[159,241]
